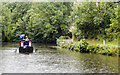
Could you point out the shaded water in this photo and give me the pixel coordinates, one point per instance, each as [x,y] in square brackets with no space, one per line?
[51,60]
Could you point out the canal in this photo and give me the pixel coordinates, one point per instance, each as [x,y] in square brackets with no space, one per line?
[47,59]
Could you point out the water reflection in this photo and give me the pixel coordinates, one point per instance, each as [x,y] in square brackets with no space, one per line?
[52,60]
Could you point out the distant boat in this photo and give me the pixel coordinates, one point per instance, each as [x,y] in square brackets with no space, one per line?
[25,47]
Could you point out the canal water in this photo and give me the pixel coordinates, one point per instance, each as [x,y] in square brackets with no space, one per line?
[48,59]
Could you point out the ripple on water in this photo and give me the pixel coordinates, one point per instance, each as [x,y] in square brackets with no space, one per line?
[47,60]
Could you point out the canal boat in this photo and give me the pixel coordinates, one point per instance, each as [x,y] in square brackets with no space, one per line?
[25,47]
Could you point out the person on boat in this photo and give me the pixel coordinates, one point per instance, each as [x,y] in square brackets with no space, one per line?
[26,41]
[26,37]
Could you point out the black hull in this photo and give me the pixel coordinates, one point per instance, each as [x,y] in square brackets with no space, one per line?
[26,50]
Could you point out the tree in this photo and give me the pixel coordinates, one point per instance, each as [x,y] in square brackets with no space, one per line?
[49,20]
[94,21]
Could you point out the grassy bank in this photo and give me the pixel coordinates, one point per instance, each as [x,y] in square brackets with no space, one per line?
[95,42]
[89,46]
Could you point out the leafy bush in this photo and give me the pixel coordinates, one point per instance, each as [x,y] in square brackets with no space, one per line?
[83,47]
[105,50]
[93,48]
[77,46]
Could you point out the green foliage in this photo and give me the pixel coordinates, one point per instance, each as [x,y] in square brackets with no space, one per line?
[96,21]
[12,20]
[79,35]
[43,22]
[105,50]
[74,46]
[46,21]
[83,47]
[50,21]
[64,37]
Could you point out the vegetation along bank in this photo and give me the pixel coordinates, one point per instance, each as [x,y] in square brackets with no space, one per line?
[84,47]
